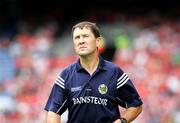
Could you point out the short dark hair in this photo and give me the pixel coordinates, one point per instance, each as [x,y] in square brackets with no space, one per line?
[92,26]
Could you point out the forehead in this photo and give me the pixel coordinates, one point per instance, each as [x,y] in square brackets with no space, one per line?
[82,30]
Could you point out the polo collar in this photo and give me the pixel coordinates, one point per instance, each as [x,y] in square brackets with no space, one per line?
[101,64]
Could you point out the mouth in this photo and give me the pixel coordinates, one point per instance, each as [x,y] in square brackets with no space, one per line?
[82,47]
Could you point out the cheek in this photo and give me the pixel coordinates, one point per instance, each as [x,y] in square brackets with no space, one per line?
[92,45]
[75,44]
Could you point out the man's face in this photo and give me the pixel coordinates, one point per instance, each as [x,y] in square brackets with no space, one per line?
[84,41]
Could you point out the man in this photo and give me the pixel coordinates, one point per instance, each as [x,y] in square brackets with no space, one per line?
[92,88]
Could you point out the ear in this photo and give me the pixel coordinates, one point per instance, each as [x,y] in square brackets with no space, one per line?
[98,40]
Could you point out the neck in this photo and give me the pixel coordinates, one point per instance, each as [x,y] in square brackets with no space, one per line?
[90,63]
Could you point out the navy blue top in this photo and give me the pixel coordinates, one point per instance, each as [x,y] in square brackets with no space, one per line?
[92,98]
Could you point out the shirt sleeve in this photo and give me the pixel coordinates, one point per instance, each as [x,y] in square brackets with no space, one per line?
[127,95]
[57,101]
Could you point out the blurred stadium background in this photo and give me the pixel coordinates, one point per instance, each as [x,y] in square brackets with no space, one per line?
[143,37]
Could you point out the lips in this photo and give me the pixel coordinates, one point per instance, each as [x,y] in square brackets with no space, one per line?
[82,47]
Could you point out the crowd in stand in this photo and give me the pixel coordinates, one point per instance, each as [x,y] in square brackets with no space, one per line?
[147,49]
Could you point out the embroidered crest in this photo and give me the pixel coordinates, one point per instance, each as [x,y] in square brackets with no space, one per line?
[102,89]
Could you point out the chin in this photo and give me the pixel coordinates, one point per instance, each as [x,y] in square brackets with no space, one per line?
[83,53]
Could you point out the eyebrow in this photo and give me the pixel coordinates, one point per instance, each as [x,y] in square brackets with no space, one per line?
[77,36]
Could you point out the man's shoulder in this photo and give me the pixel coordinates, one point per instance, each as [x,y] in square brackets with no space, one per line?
[69,68]
[110,65]
[113,67]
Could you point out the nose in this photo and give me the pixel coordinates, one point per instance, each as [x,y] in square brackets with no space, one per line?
[81,40]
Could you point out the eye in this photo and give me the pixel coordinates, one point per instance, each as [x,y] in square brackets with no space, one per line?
[85,35]
[77,37]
